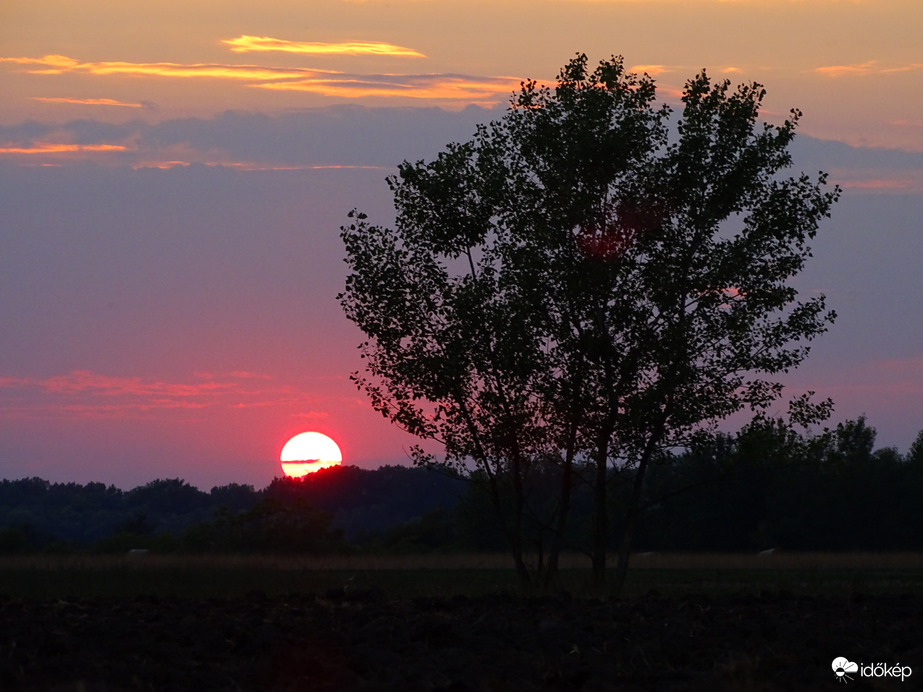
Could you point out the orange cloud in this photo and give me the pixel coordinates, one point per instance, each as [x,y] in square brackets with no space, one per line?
[54,63]
[59,64]
[87,102]
[852,70]
[912,67]
[652,70]
[247,44]
[655,70]
[864,69]
[485,90]
[49,148]
[412,86]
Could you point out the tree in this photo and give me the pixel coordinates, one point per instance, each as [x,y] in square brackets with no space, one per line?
[589,281]
[168,496]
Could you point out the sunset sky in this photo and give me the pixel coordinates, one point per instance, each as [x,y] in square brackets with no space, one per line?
[173,176]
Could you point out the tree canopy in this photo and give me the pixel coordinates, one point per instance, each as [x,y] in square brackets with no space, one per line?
[590,281]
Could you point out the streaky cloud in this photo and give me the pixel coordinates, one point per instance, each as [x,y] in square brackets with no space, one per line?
[59,64]
[87,381]
[87,101]
[871,67]
[906,183]
[350,137]
[437,87]
[247,44]
[84,393]
[862,169]
[44,148]
[356,137]
[483,90]
[652,70]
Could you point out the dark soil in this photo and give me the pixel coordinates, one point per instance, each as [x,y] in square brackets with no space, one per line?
[363,641]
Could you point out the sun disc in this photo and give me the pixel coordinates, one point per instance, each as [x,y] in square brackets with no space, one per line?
[308,452]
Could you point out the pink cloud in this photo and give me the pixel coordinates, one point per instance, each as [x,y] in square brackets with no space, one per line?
[896,380]
[85,381]
[313,415]
[86,394]
[882,181]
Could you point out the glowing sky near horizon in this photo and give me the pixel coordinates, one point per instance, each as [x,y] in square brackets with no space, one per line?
[173,176]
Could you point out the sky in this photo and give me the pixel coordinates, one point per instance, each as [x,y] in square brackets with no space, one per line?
[173,176]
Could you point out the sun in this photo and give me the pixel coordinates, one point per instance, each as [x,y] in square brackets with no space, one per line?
[309,452]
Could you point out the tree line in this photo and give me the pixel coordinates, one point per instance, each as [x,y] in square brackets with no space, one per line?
[766,486]
[762,487]
[328,509]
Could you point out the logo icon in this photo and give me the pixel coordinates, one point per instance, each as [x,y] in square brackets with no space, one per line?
[843,666]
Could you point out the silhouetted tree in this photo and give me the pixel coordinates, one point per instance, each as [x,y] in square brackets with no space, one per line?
[172,495]
[733,492]
[234,496]
[580,283]
[915,453]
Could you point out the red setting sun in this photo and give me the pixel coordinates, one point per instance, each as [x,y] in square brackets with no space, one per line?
[308,452]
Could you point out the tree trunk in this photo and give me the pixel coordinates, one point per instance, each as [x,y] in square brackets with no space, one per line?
[557,536]
[511,529]
[621,567]
[517,529]
[566,488]
[631,518]
[522,571]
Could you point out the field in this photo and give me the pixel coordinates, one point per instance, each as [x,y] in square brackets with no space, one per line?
[455,622]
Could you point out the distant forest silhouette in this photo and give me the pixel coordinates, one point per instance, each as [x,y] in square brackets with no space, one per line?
[744,492]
